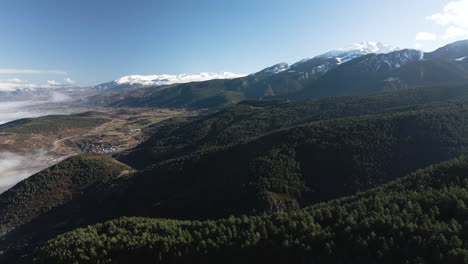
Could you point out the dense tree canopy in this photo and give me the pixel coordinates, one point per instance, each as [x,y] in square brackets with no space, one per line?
[255,118]
[55,186]
[281,163]
[418,219]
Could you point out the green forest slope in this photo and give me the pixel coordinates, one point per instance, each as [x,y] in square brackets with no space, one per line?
[418,219]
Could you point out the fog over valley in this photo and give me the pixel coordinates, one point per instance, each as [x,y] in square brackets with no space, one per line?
[20,163]
[13,110]
[16,167]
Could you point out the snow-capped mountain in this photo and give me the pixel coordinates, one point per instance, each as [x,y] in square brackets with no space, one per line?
[166,79]
[356,50]
[389,61]
[395,70]
[365,47]
[318,65]
[136,81]
[314,68]
[308,68]
[277,68]
[361,68]
[280,67]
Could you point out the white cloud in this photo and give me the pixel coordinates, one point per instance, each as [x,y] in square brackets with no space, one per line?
[12,86]
[69,81]
[53,83]
[14,80]
[455,32]
[454,19]
[15,84]
[418,45]
[425,36]
[26,71]
[455,13]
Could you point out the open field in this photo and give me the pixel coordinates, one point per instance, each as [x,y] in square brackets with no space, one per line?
[42,142]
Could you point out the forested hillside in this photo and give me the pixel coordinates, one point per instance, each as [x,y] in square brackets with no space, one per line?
[254,158]
[253,118]
[54,187]
[55,124]
[298,166]
[157,132]
[281,171]
[418,219]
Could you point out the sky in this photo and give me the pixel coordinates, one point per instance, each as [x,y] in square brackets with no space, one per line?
[49,43]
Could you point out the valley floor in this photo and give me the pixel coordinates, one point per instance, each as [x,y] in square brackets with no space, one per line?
[28,148]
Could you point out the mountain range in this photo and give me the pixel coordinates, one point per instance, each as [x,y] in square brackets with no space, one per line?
[357,155]
[138,81]
[340,55]
[361,68]
[258,157]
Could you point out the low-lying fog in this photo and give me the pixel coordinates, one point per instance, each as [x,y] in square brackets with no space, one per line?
[13,110]
[15,167]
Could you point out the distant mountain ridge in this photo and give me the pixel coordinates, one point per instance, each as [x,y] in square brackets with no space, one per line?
[357,50]
[361,68]
[256,156]
[136,81]
[266,179]
[341,55]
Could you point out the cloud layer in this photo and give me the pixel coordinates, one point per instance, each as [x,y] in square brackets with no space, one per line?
[455,14]
[15,84]
[14,167]
[454,22]
[10,111]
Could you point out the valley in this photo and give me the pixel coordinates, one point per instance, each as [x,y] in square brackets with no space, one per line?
[357,155]
[44,141]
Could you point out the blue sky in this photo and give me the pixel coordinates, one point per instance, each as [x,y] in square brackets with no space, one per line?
[88,42]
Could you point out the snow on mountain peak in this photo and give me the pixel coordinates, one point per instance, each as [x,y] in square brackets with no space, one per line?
[354,51]
[280,67]
[370,47]
[359,49]
[166,79]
